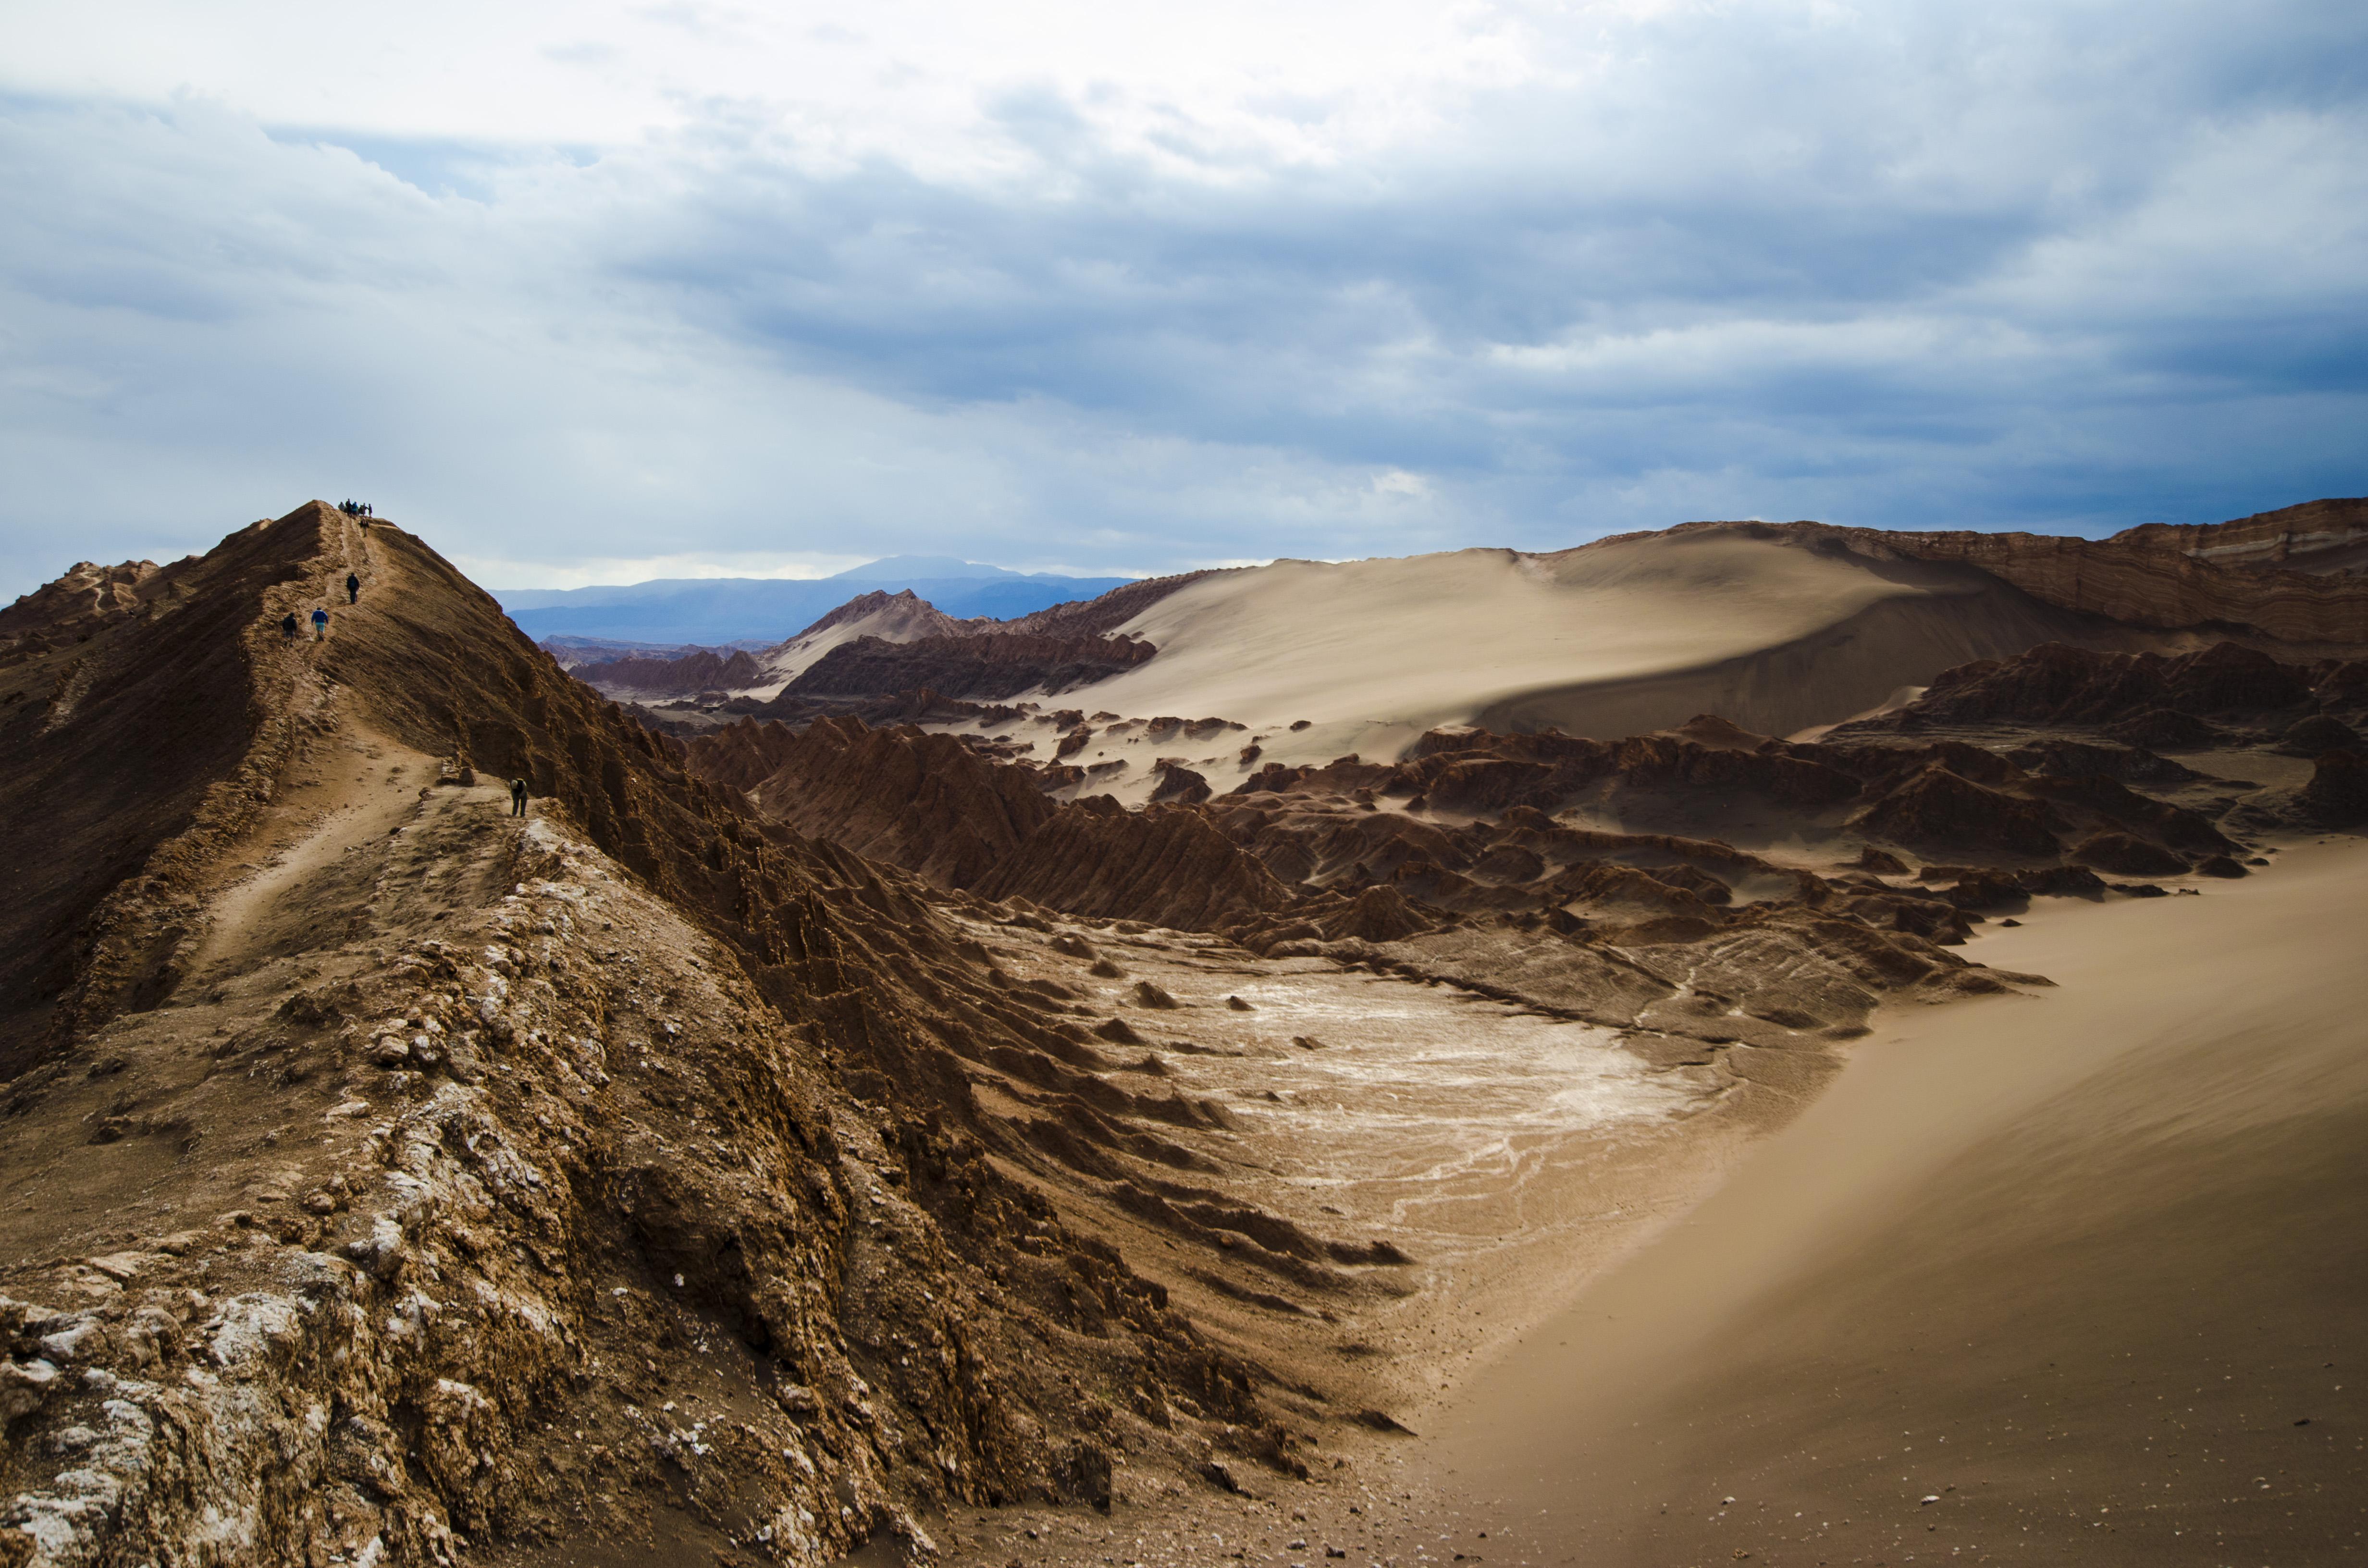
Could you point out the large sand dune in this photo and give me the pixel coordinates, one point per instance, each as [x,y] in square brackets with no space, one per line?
[1607,640]
[2077,1279]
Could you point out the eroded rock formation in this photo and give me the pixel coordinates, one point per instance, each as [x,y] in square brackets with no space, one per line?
[504,1157]
[995,665]
[707,669]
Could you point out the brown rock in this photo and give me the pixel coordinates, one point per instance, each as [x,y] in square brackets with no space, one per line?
[2057,684]
[2128,856]
[2165,728]
[2317,734]
[702,669]
[1177,782]
[1379,914]
[1168,865]
[1937,806]
[997,665]
[2337,790]
[923,802]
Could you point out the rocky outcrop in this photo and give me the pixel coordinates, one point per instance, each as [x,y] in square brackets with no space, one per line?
[995,665]
[2338,792]
[2317,734]
[2055,684]
[2125,855]
[1097,617]
[1938,808]
[87,597]
[912,615]
[740,755]
[1177,782]
[707,669]
[923,802]
[1477,770]
[1165,864]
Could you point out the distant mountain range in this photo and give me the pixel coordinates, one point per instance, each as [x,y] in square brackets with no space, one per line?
[718,612]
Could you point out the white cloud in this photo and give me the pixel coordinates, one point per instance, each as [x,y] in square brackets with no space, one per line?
[583,290]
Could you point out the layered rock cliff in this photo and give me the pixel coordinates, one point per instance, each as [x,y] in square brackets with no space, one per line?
[2139,578]
[2317,536]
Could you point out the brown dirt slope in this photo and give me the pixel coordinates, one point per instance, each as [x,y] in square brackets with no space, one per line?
[138,727]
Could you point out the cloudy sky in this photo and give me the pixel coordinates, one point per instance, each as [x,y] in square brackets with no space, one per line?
[588,291]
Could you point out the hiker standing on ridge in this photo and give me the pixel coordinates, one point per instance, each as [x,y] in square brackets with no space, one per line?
[353,589]
[320,624]
[288,627]
[518,797]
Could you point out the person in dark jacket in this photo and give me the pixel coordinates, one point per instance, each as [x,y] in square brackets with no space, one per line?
[288,626]
[518,797]
[353,589]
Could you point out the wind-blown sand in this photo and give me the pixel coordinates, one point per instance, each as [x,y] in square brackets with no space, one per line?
[1609,640]
[2074,1264]
[2091,1270]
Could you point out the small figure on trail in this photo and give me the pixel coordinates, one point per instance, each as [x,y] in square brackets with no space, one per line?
[288,626]
[518,797]
[320,625]
[353,589]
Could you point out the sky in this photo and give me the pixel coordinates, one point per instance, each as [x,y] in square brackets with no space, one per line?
[594,293]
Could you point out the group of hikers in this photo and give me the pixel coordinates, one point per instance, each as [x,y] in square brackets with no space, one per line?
[356,508]
[291,628]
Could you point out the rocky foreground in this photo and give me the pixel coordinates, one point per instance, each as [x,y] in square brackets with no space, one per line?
[390,1178]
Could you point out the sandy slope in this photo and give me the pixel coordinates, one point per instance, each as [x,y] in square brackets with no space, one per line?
[896,623]
[1608,640]
[2072,1264]
[2084,1271]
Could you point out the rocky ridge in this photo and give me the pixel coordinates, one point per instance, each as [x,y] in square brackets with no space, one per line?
[432,1180]
[2165,580]
[995,664]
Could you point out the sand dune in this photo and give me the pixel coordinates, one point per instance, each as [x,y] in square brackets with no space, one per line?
[2078,1278]
[1608,640]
